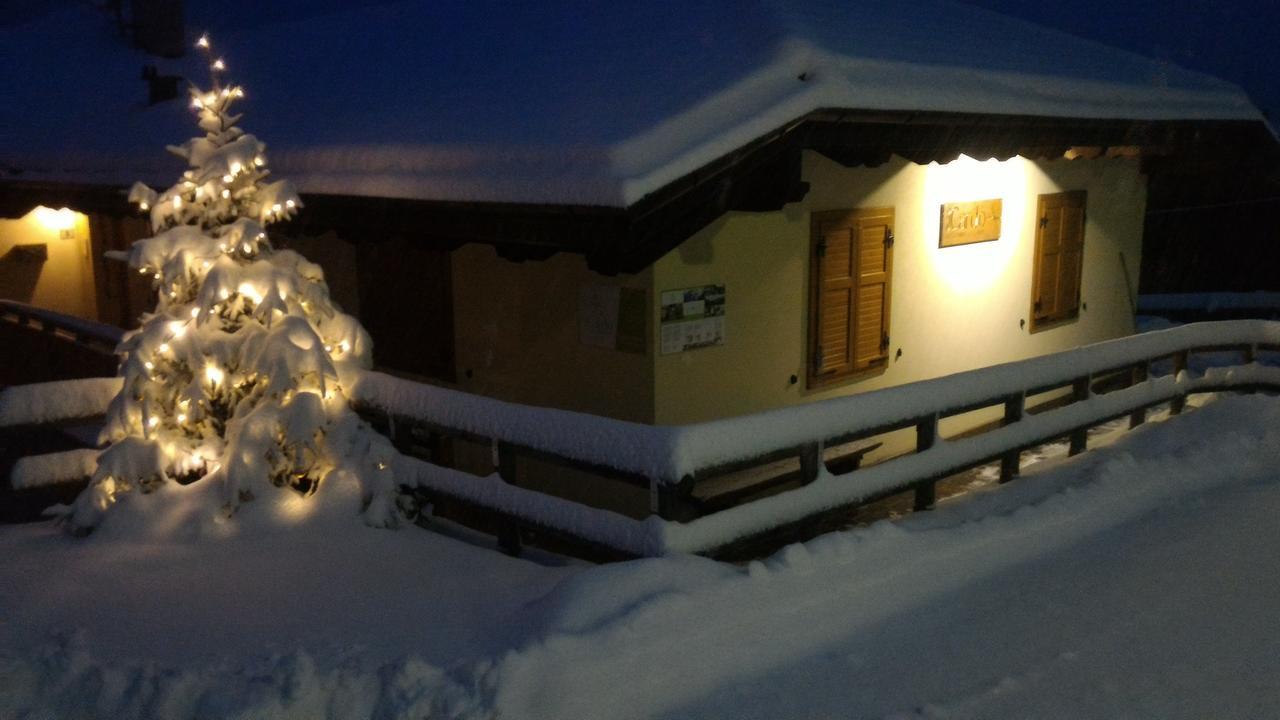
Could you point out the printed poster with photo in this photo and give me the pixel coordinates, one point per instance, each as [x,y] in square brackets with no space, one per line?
[692,318]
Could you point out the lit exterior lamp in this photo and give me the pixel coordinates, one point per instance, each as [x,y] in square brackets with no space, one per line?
[62,220]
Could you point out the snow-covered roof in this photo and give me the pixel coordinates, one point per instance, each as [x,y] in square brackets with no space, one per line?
[573,102]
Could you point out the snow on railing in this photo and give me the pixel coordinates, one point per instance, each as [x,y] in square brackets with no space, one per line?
[59,401]
[77,329]
[68,466]
[629,447]
[670,459]
[921,469]
[673,458]
[705,445]
[668,454]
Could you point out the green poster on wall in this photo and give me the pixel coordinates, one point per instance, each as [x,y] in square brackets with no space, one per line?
[692,318]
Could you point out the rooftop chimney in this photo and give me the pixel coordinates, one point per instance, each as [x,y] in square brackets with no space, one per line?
[159,27]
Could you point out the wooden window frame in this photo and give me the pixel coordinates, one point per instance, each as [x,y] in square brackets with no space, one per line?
[857,218]
[1069,312]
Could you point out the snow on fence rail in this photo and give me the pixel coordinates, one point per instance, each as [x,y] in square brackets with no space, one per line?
[68,466]
[85,332]
[670,459]
[38,344]
[45,407]
[58,401]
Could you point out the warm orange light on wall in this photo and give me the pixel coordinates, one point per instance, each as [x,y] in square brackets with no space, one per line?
[974,269]
[55,220]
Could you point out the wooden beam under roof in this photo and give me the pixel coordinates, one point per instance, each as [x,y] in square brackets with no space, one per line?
[763,175]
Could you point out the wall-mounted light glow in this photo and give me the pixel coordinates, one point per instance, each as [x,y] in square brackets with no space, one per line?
[976,268]
[57,220]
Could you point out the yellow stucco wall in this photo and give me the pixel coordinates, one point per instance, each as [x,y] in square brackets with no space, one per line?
[953,309]
[62,282]
[517,336]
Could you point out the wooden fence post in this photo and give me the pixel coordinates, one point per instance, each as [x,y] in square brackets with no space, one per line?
[672,500]
[1250,355]
[810,462]
[1179,366]
[1010,462]
[435,448]
[1081,390]
[397,431]
[926,436]
[1139,375]
[509,533]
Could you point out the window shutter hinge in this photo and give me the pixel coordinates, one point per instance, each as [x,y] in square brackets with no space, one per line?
[817,360]
[1043,222]
[821,248]
[884,342]
[888,237]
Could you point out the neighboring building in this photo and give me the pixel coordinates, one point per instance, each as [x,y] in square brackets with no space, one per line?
[663,214]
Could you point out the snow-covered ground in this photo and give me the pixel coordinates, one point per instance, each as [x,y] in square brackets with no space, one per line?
[1137,580]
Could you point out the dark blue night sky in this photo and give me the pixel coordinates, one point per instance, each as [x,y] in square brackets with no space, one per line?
[1237,40]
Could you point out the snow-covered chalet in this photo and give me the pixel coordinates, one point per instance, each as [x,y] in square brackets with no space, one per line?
[662,212]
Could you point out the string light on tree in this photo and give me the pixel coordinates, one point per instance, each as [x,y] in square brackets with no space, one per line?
[235,380]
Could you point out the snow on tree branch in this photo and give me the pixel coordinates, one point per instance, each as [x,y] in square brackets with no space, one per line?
[237,378]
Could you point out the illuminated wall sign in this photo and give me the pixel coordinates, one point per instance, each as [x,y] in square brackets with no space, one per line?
[969,222]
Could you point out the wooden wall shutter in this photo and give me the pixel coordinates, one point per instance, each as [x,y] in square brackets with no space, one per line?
[851,270]
[1059,258]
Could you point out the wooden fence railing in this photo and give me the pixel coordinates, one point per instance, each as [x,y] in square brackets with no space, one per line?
[1091,385]
[41,345]
[1096,384]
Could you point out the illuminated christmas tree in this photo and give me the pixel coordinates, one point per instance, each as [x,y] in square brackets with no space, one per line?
[237,377]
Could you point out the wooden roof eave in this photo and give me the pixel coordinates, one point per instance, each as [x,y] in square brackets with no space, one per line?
[17,197]
[763,175]
[766,175]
